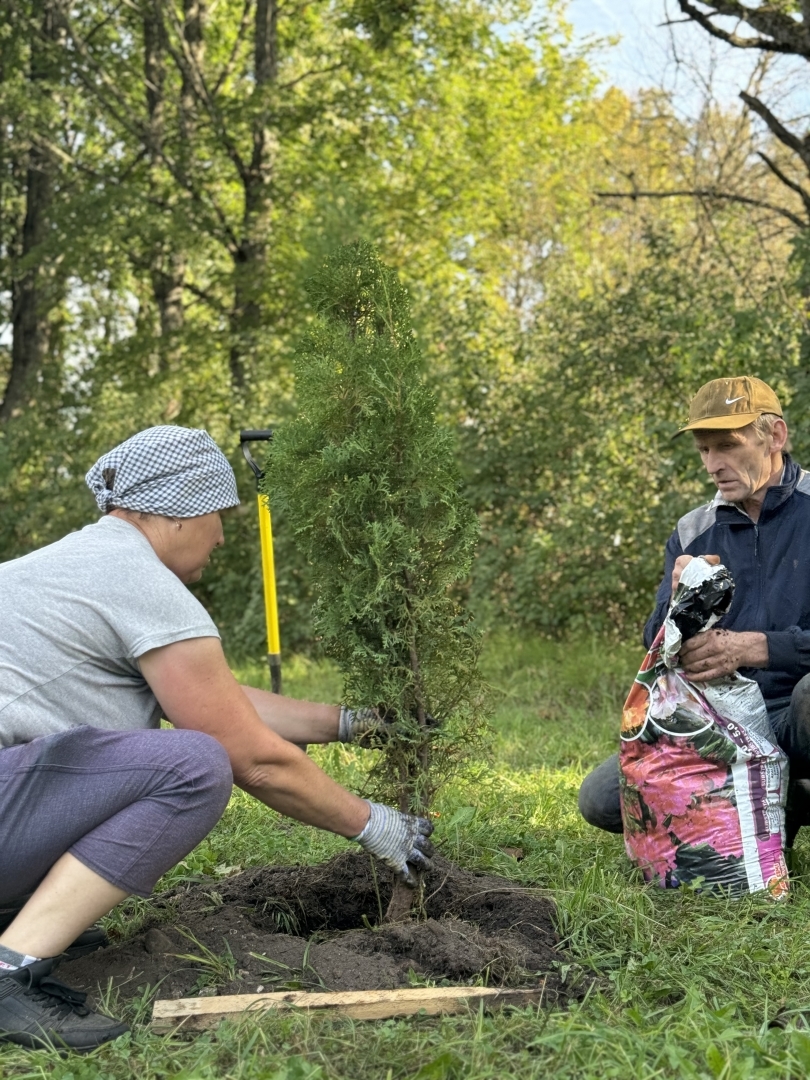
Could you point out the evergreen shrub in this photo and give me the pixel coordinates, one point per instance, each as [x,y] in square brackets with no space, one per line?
[368,484]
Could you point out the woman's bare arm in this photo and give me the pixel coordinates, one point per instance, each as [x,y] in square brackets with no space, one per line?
[295,720]
[196,689]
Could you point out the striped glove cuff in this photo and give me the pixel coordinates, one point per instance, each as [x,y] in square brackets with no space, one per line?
[398,840]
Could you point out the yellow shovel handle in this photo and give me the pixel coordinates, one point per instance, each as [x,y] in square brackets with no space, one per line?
[270,597]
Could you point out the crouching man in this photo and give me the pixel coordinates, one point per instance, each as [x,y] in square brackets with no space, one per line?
[758,525]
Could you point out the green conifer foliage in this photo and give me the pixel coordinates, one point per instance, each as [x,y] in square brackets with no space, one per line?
[367,479]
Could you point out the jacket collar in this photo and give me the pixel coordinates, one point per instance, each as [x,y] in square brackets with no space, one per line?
[774,497]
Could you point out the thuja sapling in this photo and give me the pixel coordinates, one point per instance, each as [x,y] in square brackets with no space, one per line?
[367,479]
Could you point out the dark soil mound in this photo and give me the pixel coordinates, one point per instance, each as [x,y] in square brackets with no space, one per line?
[312,928]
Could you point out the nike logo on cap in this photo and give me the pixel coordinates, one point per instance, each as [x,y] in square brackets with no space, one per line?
[731,400]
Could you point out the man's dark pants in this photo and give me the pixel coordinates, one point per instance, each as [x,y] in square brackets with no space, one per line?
[790,718]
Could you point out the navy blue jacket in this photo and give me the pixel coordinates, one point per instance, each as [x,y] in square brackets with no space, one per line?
[770,564]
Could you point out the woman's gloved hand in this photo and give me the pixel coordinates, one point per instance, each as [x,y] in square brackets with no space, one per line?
[371,728]
[399,840]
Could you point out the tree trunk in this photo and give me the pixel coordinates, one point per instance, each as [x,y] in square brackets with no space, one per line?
[168,272]
[403,898]
[167,266]
[33,295]
[251,258]
[193,35]
[402,902]
[154,71]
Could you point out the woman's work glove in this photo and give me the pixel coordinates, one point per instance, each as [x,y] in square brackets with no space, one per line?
[399,840]
[365,727]
[370,728]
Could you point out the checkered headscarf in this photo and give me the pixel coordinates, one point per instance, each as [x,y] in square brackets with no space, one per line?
[168,470]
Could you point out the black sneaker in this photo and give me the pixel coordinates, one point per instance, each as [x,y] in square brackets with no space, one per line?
[92,939]
[37,1011]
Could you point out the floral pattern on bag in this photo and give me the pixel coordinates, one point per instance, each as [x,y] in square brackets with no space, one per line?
[702,797]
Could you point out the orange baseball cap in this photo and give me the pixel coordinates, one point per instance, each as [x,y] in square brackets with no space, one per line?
[730,403]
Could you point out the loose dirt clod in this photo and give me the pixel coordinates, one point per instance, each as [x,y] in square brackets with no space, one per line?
[312,928]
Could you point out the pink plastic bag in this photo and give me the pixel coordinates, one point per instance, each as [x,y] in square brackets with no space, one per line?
[703,782]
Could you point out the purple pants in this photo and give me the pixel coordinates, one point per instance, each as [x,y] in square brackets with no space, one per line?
[129,805]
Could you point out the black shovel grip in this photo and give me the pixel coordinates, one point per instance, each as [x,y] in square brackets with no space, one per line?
[256,435]
[250,435]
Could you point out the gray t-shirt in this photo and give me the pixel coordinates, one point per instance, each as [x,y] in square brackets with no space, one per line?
[74,618]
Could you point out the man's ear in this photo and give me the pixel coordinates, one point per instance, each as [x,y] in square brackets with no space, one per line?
[779,436]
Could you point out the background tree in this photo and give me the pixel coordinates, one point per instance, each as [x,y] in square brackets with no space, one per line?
[566,405]
[29,106]
[415,138]
[370,489]
[465,139]
[775,27]
[568,457]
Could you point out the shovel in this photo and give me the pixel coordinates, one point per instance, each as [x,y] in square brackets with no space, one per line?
[268,563]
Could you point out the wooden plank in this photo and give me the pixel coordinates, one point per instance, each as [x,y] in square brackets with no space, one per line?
[197,1014]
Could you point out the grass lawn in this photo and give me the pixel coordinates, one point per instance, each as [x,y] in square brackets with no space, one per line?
[690,983]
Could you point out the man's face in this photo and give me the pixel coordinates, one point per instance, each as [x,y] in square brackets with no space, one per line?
[738,461]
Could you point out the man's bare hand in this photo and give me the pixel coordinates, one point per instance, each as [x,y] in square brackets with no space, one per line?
[682,561]
[720,652]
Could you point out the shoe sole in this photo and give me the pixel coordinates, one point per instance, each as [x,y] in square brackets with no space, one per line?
[32,1042]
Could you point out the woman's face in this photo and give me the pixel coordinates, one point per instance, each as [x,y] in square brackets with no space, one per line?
[190,546]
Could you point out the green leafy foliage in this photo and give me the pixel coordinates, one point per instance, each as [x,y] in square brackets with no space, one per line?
[567,445]
[562,334]
[369,486]
[420,127]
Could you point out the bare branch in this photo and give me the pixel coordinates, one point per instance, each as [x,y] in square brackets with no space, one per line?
[802,192]
[791,141]
[769,18]
[310,74]
[104,22]
[753,19]
[206,297]
[708,194]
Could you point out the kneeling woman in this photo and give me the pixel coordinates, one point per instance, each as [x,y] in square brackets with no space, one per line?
[99,639]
